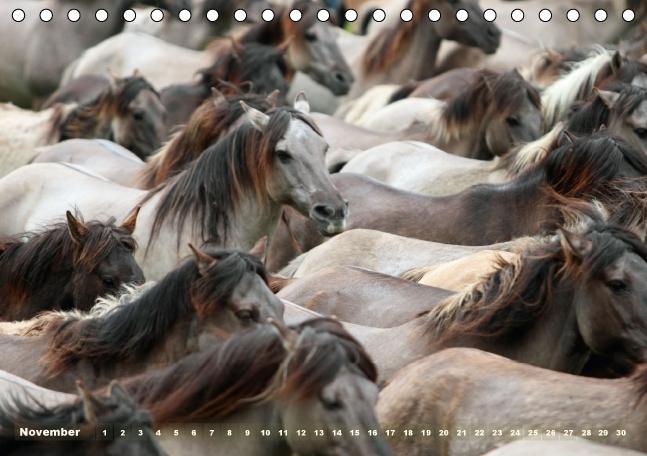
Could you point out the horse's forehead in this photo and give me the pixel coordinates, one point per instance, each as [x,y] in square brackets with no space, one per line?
[146,98]
[298,135]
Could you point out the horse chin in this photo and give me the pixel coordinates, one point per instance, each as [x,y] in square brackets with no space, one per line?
[331,228]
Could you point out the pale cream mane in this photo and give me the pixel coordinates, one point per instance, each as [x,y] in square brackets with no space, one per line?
[534,152]
[560,95]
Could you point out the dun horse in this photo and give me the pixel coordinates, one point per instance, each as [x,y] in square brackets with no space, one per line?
[232,195]
[456,388]
[66,266]
[128,112]
[205,299]
[566,300]
[312,376]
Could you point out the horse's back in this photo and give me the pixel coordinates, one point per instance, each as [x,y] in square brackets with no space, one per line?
[39,194]
[13,387]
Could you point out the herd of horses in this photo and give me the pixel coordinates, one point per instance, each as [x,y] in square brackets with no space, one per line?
[324,237]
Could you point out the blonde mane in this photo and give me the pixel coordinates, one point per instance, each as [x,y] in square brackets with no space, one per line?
[560,95]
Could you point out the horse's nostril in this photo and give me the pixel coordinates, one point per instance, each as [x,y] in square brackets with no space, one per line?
[323,210]
[340,77]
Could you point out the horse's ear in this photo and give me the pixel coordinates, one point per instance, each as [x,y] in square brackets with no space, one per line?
[616,62]
[285,45]
[608,98]
[118,392]
[112,78]
[137,73]
[301,103]
[273,98]
[259,249]
[89,403]
[78,231]
[574,245]
[202,259]
[130,222]
[257,118]
[217,96]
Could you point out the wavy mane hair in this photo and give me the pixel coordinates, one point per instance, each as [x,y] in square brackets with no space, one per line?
[27,260]
[211,188]
[387,46]
[208,124]
[127,328]
[514,296]
[489,91]
[249,368]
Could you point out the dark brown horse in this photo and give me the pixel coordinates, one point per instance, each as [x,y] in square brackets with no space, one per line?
[207,297]
[594,167]
[469,390]
[313,376]
[66,266]
[262,67]
[572,297]
[116,408]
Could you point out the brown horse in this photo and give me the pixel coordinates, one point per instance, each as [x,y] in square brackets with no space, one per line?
[206,298]
[128,112]
[567,299]
[262,67]
[308,381]
[590,168]
[86,414]
[216,117]
[360,296]
[66,266]
[466,389]
[394,55]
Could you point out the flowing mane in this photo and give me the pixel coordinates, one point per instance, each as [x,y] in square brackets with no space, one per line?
[527,156]
[239,63]
[130,325]
[557,99]
[588,116]
[209,123]
[250,368]
[93,119]
[490,91]
[212,187]
[394,41]
[519,292]
[28,259]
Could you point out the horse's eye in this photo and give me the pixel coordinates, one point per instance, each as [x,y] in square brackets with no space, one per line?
[617,285]
[512,121]
[641,132]
[309,36]
[108,282]
[138,115]
[284,156]
[129,246]
[245,315]
[332,404]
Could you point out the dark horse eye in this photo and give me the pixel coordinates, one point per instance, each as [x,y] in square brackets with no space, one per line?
[617,285]
[138,115]
[331,404]
[245,315]
[512,121]
[108,282]
[641,132]
[284,156]
[309,36]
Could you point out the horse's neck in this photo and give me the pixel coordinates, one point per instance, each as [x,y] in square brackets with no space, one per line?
[86,28]
[250,221]
[419,61]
